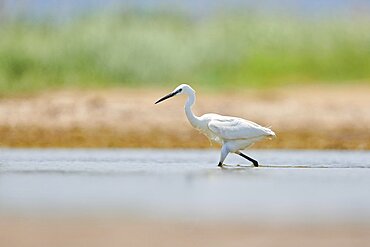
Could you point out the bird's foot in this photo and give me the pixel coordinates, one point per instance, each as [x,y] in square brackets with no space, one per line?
[255,163]
[220,164]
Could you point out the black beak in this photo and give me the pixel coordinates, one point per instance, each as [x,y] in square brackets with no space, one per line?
[167,96]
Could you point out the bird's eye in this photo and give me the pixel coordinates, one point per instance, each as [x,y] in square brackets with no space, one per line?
[180,90]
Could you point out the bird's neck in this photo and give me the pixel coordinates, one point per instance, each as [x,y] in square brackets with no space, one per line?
[194,120]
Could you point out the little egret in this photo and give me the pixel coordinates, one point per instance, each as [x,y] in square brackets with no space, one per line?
[232,133]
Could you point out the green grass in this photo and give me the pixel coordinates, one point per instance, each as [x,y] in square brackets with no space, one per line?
[136,49]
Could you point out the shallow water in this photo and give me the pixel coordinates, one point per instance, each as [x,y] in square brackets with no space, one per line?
[305,186]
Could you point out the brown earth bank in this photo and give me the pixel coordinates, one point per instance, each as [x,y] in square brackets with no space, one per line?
[33,232]
[321,117]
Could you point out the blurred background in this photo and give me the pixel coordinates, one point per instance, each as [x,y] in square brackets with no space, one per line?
[85,73]
[212,44]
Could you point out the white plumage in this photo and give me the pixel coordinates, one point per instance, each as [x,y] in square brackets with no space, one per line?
[233,133]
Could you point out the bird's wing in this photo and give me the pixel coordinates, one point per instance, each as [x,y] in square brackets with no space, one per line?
[232,128]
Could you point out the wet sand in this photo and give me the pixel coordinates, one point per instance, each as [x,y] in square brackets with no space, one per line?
[60,232]
[321,117]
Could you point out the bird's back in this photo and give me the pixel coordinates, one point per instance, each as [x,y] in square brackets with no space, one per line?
[234,128]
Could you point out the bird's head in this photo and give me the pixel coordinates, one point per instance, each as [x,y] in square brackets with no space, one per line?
[181,89]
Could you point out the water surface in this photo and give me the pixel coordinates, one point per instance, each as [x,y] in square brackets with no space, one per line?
[289,186]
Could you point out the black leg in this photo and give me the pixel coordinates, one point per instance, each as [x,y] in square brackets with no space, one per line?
[255,162]
[220,164]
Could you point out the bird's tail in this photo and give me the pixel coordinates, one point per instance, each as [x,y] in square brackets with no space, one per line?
[269,133]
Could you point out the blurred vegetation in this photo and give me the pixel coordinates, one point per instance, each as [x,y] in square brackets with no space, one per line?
[137,49]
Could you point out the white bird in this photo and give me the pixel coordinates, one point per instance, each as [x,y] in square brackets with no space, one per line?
[233,133]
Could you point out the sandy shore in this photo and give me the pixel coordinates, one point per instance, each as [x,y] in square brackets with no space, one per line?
[305,117]
[17,232]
